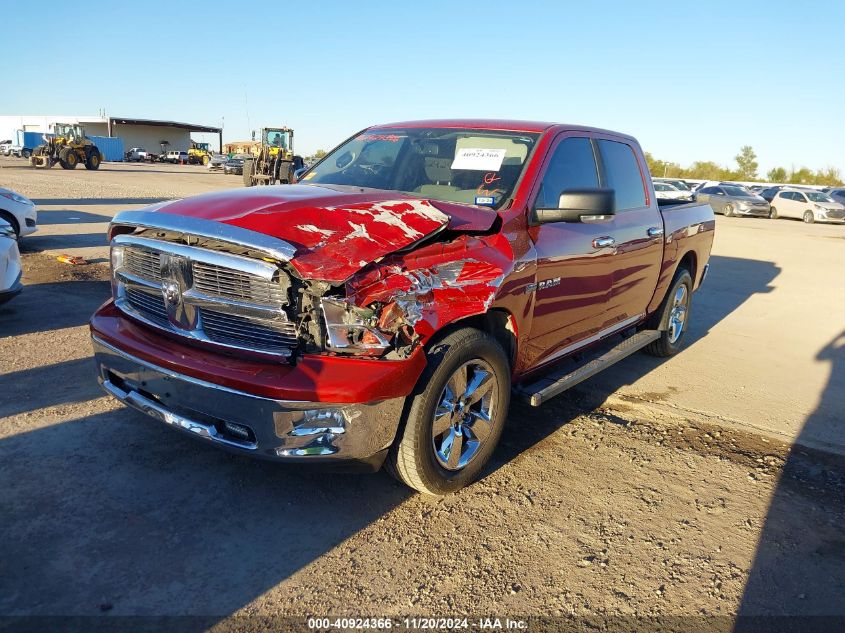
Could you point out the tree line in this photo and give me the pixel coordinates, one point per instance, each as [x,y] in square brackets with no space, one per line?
[746,169]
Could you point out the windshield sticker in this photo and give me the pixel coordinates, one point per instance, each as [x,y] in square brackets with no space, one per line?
[390,138]
[479,159]
[309,176]
[485,200]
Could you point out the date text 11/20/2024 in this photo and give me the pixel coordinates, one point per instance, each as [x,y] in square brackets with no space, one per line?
[417,624]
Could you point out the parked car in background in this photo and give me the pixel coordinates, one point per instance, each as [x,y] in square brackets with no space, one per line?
[731,200]
[10,263]
[137,154]
[234,165]
[770,192]
[675,182]
[669,191]
[176,156]
[810,206]
[217,162]
[837,193]
[385,307]
[4,147]
[19,211]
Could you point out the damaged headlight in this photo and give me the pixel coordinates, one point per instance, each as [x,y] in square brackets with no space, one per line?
[351,329]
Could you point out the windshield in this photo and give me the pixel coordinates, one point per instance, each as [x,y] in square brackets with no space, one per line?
[473,166]
[276,138]
[737,191]
[817,196]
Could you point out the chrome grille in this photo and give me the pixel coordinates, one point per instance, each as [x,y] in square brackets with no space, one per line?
[149,303]
[143,263]
[232,330]
[238,301]
[231,284]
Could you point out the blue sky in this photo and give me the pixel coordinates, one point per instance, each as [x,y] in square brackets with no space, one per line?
[690,80]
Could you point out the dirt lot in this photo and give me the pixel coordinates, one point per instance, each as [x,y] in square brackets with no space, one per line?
[659,489]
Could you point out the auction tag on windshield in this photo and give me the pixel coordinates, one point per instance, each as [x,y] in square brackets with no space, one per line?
[479,159]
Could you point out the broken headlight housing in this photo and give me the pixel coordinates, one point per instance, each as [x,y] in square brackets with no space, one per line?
[350,329]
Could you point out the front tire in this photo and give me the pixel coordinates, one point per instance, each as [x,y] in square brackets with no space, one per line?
[674,317]
[92,162]
[455,416]
[729,211]
[809,218]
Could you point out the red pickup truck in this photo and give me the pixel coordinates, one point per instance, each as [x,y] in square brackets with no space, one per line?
[387,306]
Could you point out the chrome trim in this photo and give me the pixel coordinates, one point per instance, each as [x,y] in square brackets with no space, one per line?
[252,240]
[276,429]
[603,242]
[183,303]
[240,263]
[608,331]
[655,231]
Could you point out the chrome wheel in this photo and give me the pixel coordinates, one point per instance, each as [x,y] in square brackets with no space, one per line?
[729,211]
[464,414]
[678,315]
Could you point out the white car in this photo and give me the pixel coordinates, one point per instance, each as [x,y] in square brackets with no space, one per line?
[137,154]
[175,156]
[10,263]
[669,191]
[810,206]
[19,211]
[5,147]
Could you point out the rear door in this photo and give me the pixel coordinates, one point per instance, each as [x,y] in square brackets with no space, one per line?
[637,230]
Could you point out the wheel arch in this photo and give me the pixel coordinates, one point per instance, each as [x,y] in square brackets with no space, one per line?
[497,322]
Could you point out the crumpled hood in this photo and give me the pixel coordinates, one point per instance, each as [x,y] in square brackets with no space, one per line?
[336,230]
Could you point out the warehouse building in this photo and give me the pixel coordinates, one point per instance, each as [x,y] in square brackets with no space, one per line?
[153,135]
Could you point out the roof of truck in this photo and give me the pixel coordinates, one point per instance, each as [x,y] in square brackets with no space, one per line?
[492,124]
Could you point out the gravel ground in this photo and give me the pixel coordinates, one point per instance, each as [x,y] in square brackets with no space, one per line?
[596,509]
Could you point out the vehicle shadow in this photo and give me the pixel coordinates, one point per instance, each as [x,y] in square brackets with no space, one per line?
[48,385]
[37,243]
[69,216]
[799,565]
[52,306]
[115,512]
[730,283]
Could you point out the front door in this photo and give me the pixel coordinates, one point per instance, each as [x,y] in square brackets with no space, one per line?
[575,261]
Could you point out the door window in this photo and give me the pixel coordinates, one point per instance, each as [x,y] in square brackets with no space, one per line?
[572,166]
[622,174]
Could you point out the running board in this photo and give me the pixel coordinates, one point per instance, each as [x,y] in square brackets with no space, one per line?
[557,382]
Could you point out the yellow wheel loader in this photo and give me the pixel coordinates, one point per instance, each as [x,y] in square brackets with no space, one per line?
[199,154]
[69,147]
[274,160]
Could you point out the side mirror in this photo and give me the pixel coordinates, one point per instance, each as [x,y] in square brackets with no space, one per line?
[580,205]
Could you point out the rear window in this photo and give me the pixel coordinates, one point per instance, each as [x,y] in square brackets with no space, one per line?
[623,174]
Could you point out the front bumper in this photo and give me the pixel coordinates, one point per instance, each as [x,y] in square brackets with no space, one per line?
[760,212]
[282,430]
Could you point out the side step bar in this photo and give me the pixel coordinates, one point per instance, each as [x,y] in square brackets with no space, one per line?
[557,382]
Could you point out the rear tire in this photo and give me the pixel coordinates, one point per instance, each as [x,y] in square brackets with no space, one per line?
[773,213]
[674,316]
[424,456]
[809,218]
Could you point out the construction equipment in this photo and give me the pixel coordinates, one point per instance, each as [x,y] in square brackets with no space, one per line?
[274,161]
[68,146]
[199,153]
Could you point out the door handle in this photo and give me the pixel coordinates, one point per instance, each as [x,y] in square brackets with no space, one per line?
[603,242]
[655,231]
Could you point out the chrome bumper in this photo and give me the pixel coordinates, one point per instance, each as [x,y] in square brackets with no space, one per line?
[282,430]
